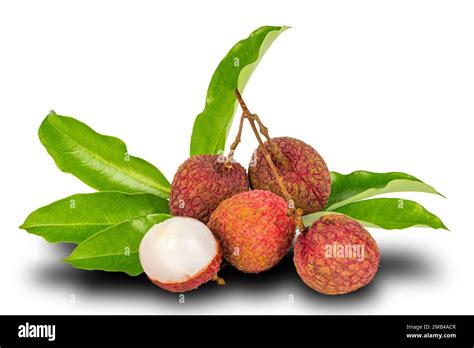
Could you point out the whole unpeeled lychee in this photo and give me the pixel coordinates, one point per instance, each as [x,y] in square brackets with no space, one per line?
[202,182]
[336,255]
[180,254]
[302,169]
[254,230]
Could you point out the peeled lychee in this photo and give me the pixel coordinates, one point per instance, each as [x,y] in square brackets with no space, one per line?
[336,255]
[303,171]
[202,182]
[254,230]
[180,254]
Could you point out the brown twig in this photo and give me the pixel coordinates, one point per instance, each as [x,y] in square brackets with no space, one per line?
[218,280]
[267,156]
[279,155]
[245,110]
[230,156]
[281,158]
[253,118]
[299,220]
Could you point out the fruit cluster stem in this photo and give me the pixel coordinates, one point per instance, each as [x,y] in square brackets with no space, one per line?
[279,155]
[281,158]
[269,160]
[218,280]
[230,156]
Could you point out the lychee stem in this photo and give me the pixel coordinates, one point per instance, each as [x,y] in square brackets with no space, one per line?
[252,118]
[267,156]
[279,155]
[299,220]
[218,280]
[230,156]
[244,107]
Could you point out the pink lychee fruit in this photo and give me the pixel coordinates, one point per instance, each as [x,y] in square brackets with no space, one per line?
[202,182]
[336,255]
[254,230]
[303,171]
[180,254]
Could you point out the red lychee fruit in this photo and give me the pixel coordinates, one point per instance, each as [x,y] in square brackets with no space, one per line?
[254,230]
[302,169]
[202,182]
[180,254]
[336,255]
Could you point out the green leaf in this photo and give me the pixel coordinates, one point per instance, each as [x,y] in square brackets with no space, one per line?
[78,217]
[360,184]
[388,213]
[115,249]
[98,160]
[212,125]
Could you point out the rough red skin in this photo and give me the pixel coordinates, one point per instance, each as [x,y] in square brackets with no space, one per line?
[203,277]
[306,177]
[255,224]
[334,276]
[201,183]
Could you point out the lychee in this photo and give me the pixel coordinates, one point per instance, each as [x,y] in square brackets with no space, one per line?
[336,255]
[202,182]
[180,254]
[254,230]
[303,170]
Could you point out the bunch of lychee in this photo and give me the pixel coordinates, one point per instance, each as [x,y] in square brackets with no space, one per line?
[250,221]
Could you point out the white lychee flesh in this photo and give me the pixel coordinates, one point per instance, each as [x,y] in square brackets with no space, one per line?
[177,249]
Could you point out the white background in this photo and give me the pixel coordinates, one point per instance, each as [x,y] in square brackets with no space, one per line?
[375,85]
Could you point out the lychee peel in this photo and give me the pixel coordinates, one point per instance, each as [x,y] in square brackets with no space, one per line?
[326,257]
[305,174]
[180,254]
[254,230]
[201,183]
[206,275]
